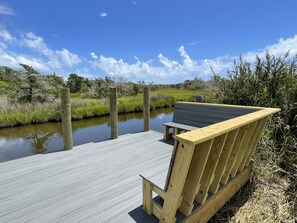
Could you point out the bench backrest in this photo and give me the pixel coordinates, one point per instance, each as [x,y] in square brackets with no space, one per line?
[217,151]
[201,115]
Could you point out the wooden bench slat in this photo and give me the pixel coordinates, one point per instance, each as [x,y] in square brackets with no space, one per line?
[180,126]
[256,139]
[194,176]
[234,153]
[243,146]
[180,168]
[223,161]
[249,145]
[237,110]
[212,161]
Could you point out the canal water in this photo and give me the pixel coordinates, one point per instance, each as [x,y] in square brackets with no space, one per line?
[25,141]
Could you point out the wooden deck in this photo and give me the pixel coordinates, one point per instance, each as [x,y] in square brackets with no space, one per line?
[94,182]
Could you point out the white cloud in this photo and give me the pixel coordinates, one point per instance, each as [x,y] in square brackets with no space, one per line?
[6,36]
[197,42]
[169,71]
[35,43]
[14,50]
[4,10]
[103,14]
[70,59]
[282,46]
[57,58]
[93,55]
[46,59]
[13,60]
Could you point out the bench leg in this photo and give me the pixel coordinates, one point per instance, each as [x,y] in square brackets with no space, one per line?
[166,135]
[177,180]
[147,196]
[176,131]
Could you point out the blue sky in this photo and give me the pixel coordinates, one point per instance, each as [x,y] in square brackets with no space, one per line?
[154,41]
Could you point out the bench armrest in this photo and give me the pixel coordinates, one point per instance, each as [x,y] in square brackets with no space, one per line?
[177,128]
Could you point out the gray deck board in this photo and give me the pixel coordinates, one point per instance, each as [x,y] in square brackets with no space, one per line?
[95,182]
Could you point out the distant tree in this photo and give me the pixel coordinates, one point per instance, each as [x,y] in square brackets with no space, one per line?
[98,89]
[109,82]
[135,89]
[56,79]
[30,86]
[74,82]
[197,84]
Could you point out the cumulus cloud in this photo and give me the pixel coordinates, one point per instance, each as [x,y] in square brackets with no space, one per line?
[279,48]
[167,70]
[6,36]
[35,43]
[57,58]
[103,14]
[4,10]
[93,55]
[32,49]
[46,60]
[12,59]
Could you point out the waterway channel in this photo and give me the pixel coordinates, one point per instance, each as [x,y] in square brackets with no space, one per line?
[18,142]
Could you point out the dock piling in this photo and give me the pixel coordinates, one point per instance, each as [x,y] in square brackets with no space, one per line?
[66,118]
[113,112]
[146,108]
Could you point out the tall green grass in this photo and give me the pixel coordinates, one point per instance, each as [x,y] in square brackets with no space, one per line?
[16,114]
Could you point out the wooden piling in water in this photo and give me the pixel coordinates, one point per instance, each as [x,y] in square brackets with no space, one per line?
[113,112]
[146,109]
[66,118]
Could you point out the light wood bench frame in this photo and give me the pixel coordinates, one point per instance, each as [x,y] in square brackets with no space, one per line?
[211,160]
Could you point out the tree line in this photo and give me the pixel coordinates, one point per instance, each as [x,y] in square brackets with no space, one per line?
[28,85]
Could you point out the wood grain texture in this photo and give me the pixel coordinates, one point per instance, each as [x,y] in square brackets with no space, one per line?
[203,213]
[96,182]
[223,161]
[212,161]
[113,107]
[66,119]
[146,109]
[192,184]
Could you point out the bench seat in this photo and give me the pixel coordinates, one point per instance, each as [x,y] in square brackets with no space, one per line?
[177,128]
[217,147]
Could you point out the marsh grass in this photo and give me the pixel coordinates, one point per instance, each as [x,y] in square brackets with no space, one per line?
[16,114]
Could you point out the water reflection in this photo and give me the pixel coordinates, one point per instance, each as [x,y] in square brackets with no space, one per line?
[44,138]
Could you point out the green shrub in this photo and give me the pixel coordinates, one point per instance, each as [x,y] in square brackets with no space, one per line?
[271,82]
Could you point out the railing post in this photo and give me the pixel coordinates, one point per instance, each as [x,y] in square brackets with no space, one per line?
[146,108]
[66,118]
[113,112]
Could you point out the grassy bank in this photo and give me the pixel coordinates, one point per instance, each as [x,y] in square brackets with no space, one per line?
[16,114]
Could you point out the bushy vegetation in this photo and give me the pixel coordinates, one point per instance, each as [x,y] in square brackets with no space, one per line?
[270,82]
[28,86]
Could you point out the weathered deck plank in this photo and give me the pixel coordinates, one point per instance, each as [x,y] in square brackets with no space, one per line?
[96,182]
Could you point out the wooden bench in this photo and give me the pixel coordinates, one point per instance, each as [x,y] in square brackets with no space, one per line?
[189,116]
[209,164]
